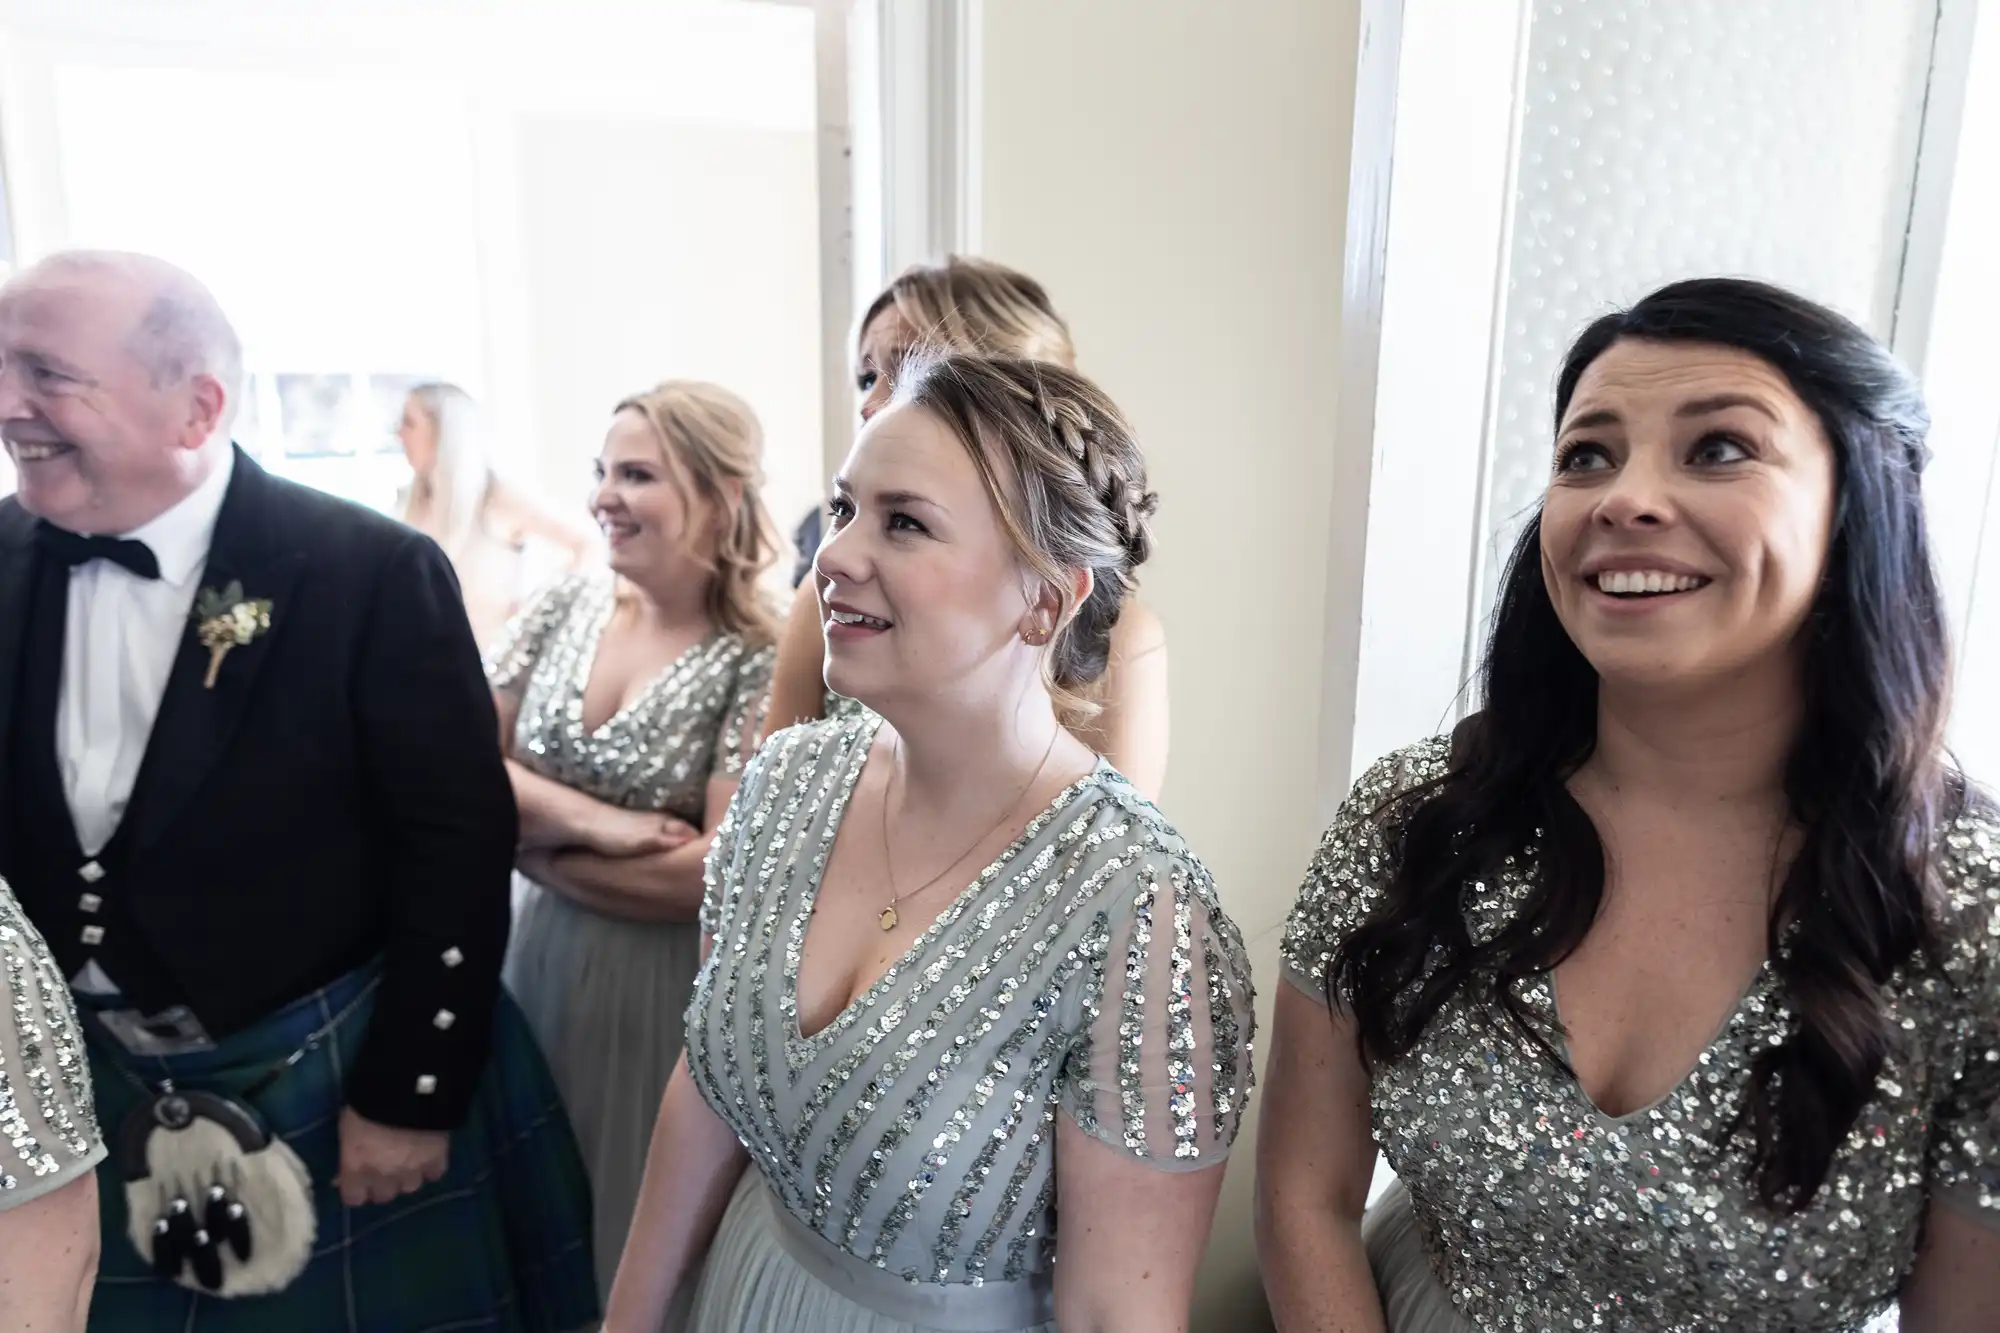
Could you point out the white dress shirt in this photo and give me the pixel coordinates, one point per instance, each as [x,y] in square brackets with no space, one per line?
[119,646]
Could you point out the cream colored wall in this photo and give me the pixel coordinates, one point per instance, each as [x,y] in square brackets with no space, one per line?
[657,249]
[1177,175]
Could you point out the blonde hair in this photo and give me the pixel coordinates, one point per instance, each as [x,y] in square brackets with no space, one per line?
[975,305]
[711,438]
[455,492]
[1068,479]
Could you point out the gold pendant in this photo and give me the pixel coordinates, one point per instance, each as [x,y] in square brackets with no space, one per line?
[888,918]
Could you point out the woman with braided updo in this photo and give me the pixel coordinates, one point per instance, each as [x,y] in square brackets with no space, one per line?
[978,308]
[961,980]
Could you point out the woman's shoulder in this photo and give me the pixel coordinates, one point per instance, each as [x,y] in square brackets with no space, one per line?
[1114,839]
[1350,872]
[747,655]
[805,752]
[562,593]
[1967,863]
[512,657]
[1137,632]
[1379,797]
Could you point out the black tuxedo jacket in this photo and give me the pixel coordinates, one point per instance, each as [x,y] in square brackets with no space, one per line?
[338,796]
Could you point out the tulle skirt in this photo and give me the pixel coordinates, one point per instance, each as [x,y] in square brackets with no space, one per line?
[607,1000]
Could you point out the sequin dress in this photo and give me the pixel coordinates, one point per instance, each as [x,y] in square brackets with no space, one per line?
[606,997]
[48,1117]
[902,1174]
[1521,1206]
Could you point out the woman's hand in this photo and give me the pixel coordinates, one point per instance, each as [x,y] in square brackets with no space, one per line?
[621,833]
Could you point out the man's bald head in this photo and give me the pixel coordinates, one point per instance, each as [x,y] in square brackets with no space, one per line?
[119,377]
[180,329]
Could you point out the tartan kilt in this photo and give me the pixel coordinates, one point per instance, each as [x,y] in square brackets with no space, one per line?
[501,1243]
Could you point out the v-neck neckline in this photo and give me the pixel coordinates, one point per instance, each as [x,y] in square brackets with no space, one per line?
[587,664]
[1757,982]
[800,1047]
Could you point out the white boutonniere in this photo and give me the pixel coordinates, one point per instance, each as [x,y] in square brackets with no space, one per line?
[226,620]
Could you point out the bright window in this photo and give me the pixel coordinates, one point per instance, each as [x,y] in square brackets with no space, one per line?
[553,205]
[342,243]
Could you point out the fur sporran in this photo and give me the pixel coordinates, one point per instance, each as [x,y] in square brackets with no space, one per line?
[216,1202]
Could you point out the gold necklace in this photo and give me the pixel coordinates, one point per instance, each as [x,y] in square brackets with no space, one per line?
[889,919]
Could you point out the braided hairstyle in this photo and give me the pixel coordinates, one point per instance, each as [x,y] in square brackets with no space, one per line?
[1069,482]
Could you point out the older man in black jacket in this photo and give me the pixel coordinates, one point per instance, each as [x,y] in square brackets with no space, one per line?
[254,799]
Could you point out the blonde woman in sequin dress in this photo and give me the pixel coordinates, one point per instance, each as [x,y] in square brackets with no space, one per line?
[920,1094]
[629,701]
[1670,983]
[49,1141]
[982,308]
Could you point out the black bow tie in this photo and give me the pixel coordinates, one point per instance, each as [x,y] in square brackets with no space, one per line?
[73,549]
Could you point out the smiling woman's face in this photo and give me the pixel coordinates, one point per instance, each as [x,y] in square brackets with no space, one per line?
[1686,525]
[921,589]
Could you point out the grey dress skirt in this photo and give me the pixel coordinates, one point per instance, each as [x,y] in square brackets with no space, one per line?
[607,997]
[1521,1205]
[901,1175]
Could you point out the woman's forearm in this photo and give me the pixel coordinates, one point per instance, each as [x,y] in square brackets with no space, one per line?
[48,1260]
[1316,1275]
[692,1168]
[553,815]
[658,886]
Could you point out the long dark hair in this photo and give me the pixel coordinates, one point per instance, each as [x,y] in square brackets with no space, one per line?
[1867,780]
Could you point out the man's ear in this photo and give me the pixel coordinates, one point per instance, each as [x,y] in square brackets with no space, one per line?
[207,403]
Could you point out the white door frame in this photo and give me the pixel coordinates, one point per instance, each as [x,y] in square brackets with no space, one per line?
[900,114]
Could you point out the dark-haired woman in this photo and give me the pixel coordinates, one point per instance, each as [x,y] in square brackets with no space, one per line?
[1670,983]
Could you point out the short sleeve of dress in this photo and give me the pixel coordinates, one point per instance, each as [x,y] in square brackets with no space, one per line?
[743,721]
[52,1136]
[511,659]
[1351,869]
[727,850]
[1160,1067]
[1964,1168]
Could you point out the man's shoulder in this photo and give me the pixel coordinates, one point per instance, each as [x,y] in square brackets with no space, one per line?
[303,518]
[317,512]
[14,520]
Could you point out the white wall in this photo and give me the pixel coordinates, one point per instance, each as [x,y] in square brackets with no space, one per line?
[657,250]
[1178,180]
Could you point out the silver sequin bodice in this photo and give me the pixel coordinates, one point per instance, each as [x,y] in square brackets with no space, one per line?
[696,719]
[1538,1211]
[1089,971]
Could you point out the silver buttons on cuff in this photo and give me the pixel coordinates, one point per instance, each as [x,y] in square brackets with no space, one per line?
[452,956]
[89,902]
[445,1018]
[93,934]
[426,1084]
